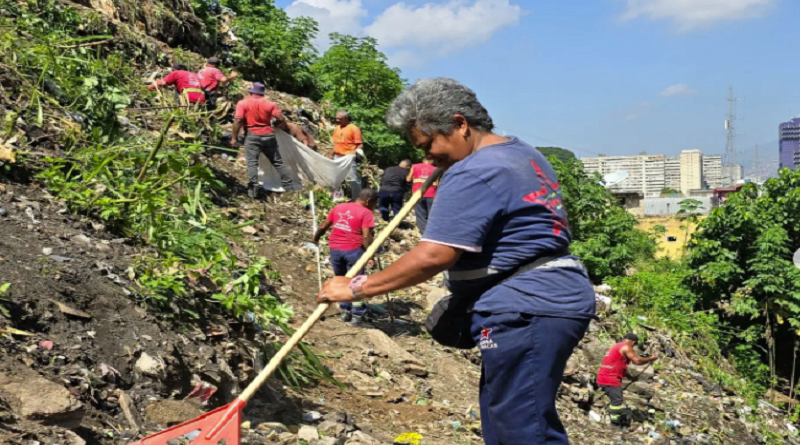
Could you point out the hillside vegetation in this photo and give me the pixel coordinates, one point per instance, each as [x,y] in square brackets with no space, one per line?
[72,76]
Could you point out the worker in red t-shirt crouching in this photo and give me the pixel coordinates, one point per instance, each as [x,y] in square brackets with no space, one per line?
[186,82]
[353,229]
[612,371]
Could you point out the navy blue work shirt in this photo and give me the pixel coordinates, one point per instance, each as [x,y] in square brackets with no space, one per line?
[502,206]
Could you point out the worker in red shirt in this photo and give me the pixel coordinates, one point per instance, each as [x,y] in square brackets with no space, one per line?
[186,82]
[255,113]
[353,230]
[211,78]
[419,174]
[612,371]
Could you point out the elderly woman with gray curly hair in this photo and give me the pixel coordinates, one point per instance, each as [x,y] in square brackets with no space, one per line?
[499,231]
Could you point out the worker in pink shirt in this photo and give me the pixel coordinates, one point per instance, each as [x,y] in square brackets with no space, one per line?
[211,78]
[186,82]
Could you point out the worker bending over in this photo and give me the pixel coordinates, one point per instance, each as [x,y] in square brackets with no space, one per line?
[186,82]
[211,78]
[500,230]
[612,371]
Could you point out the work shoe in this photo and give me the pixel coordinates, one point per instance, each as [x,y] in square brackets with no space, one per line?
[359,321]
[346,316]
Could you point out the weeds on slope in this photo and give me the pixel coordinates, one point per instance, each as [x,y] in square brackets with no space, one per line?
[56,75]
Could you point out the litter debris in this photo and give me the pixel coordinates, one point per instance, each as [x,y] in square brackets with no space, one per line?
[409,439]
[70,310]
[312,416]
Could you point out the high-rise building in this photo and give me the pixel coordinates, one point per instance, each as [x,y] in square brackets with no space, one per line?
[648,175]
[712,171]
[691,171]
[789,145]
[672,172]
[645,173]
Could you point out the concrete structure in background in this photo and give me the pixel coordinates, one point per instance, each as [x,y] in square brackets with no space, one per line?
[672,173]
[645,173]
[691,171]
[671,206]
[731,174]
[648,175]
[789,144]
[712,171]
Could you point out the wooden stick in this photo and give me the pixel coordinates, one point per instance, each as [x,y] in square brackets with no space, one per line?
[320,311]
[314,227]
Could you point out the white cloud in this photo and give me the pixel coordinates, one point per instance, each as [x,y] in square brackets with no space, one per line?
[680,89]
[443,27]
[693,14]
[342,16]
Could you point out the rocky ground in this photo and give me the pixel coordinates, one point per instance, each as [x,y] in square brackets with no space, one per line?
[83,362]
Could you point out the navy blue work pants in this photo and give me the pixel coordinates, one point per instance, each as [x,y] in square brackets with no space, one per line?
[389,202]
[423,210]
[523,363]
[342,261]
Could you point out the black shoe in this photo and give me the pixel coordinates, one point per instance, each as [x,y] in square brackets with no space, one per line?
[252,192]
[360,321]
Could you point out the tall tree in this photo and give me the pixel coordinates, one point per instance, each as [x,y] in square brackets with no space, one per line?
[353,75]
[274,48]
[562,154]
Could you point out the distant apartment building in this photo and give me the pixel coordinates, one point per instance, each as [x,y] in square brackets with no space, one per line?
[645,173]
[691,171]
[732,173]
[712,172]
[648,175]
[672,172]
[789,144]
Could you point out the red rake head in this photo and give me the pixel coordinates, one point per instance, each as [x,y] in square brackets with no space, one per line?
[212,427]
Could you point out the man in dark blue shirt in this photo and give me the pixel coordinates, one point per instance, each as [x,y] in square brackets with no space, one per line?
[393,189]
[499,229]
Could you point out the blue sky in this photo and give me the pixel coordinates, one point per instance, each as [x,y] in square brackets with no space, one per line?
[598,76]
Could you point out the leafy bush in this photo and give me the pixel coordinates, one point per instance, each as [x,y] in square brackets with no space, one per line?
[604,234]
[274,48]
[742,258]
[353,75]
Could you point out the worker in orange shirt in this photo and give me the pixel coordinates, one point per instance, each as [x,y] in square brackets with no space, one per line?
[347,141]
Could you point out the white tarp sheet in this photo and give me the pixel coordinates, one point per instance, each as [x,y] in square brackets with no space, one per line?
[308,167]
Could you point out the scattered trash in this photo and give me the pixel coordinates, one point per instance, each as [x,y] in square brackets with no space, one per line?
[409,439]
[59,258]
[673,423]
[109,374]
[3,212]
[70,310]
[47,251]
[595,417]
[29,212]
[763,404]
[312,416]
[46,344]
[654,435]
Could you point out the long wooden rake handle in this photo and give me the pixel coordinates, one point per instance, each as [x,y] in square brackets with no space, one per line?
[273,364]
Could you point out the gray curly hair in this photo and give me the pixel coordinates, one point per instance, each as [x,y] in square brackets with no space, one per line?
[430,104]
